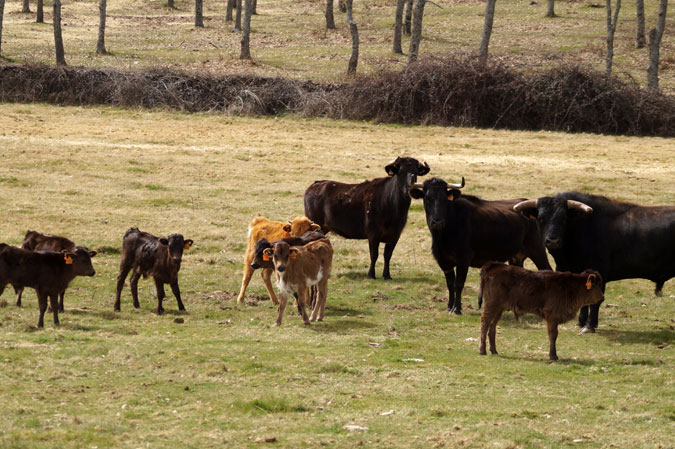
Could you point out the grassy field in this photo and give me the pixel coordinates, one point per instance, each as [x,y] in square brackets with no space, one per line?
[387,357]
[289,37]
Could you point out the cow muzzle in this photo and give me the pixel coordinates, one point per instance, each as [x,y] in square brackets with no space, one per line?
[281,268]
[553,242]
[93,272]
[177,260]
[254,265]
[436,225]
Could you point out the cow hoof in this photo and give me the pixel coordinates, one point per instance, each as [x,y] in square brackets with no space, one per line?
[117,309]
[587,330]
[306,323]
[483,352]
[455,311]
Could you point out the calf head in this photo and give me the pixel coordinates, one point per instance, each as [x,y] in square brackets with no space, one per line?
[175,244]
[594,287]
[406,170]
[281,254]
[553,214]
[260,259]
[437,195]
[80,260]
[300,225]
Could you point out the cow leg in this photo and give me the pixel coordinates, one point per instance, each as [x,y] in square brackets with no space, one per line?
[266,274]
[374,247]
[492,332]
[133,284]
[42,304]
[160,296]
[552,337]
[302,304]
[54,302]
[484,326]
[459,286]
[19,292]
[388,251]
[176,293]
[248,273]
[283,299]
[124,271]
[593,317]
[450,283]
[583,316]
[61,295]
[658,291]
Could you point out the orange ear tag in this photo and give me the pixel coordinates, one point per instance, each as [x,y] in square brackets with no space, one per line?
[294,255]
[68,259]
[266,257]
[588,284]
[451,197]
[187,245]
[389,175]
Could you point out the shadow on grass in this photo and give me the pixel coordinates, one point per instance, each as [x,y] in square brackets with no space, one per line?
[342,311]
[536,358]
[103,314]
[361,275]
[656,337]
[340,326]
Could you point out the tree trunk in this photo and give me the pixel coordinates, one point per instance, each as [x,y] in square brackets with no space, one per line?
[170,4]
[655,36]
[246,31]
[100,44]
[487,29]
[353,29]
[237,20]
[2,14]
[254,7]
[199,13]
[640,39]
[398,23]
[58,36]
[231,4]
[611,29]
[550,9]
[408,16]
[342,6]
[26,6]
[330,20]
[40,12]
[416,34]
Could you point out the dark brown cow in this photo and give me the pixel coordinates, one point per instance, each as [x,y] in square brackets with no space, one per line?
[48,272]
[298,268]
[37,241]
[376,210]
[148,255]
[552,295]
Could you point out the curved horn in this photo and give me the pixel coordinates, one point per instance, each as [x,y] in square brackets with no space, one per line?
[527,204]
[571,204]
[423,168]
[417,185]
[457,186]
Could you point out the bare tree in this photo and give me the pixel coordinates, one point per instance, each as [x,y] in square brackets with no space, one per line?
[408,17]
[398,23]
[26,6]
[550,9]
[655,36]
[342,6]
[40,18]
[58,36]
[100,43]
[231,4]
[170,4]
[237,20]
[2,14]
[330,20]
[416,35]
[254,7]
[246,31]
[199,13]
[354,31]
[487,29]
[640,39]
[611,29]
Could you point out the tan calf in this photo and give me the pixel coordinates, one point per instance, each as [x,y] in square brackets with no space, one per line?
[554,296]
[298,268]
[271,230]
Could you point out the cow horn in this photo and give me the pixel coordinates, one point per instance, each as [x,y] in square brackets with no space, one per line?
[457,186]
[527,204]
[571,204]
[417,185]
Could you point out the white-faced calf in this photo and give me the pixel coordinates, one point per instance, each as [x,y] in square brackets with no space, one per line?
[554,296]
[300,267]
[48,272]
[148,255]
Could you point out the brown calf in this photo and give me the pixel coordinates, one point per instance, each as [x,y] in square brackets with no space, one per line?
[48,272]
[148,255]
[554,296]
[300,267]
[37,241]
[271,230]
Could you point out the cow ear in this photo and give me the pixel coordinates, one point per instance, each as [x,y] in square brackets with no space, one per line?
[267,254]
[293,252]
[423,169]
[187,243]
[314,227]
[416,193]
[68,257]
[92,253]
[454,194]
[592,279]
[163,241]
[392,168]
[287,227]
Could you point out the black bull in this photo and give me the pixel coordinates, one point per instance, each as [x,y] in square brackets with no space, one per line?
[620,240]
[467,231]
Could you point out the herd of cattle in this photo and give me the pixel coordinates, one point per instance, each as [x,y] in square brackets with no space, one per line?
[592,239]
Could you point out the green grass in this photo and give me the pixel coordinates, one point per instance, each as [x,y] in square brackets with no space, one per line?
[227,377]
